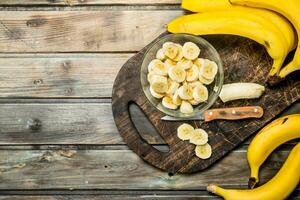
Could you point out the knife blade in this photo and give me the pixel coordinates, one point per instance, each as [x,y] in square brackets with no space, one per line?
[234,113]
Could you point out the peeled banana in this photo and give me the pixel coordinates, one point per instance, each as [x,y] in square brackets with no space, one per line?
[234,91]
[278,188]
[219,17]
[270,137]
[291,10]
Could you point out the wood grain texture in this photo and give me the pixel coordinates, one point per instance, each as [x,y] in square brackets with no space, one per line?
[66,123]
[70,123]
[236,53]
[118,197]
[86,2]
[113,197]
[81,31]
[117,169]
[59,75]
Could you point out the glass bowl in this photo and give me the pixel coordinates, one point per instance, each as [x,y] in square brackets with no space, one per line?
[207,51]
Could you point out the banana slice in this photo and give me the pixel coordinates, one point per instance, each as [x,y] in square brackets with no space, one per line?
[167,102]
[195,83]
[185,92]
[199,62]
[185,64]
[160,54]
[170,50]
[150,76]
[186,107]
[177,74]
[176,99]
[209,69]
[190,51]
[200,93]
[205,80]
[155,94]
[192,74]
[172,86]
[184,131]
[203,151]
[179,54]
[199,137]
[194,102]
[170,63]
[158,67]
[159,84]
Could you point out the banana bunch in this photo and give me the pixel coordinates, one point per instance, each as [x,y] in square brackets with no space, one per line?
[268,28]
[178,76]
[198,137]
[286,180]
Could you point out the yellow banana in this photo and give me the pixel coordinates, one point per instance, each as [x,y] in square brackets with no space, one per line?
[279,22]
[269,138]
[291,10]
[278,188]
[239,21]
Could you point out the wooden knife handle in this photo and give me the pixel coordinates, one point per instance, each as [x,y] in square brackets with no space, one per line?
[234,113]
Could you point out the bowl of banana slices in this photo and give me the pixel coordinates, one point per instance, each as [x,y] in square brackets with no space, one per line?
[182,75]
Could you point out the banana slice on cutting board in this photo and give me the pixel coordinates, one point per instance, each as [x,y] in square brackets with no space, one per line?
[177,74]
[203,151]
[190,51]
[209,69]
[184,131]
[159,84]
[185,92]
[199,137]
[167,102]
[186,107]
[192,74]
[200,93]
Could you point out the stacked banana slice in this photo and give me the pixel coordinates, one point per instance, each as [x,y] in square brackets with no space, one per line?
[178,76]
[199,137]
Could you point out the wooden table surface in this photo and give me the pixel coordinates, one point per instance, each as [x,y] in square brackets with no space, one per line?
[58,140]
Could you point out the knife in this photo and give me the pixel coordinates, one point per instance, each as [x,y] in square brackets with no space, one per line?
[234,113]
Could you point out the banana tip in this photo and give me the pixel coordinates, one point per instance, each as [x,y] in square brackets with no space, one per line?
[252,182]
[211,188]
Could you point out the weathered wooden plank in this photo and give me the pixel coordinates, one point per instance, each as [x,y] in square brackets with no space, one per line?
[87,2]
[59,75]
[154,197]
[69,123]
[81,31]
[117,169]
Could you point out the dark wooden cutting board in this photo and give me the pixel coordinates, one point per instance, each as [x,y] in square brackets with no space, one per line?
[244,61]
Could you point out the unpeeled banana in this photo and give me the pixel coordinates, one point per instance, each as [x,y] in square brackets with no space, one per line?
[291,10]
[278,188]
[270,137]
[243,22]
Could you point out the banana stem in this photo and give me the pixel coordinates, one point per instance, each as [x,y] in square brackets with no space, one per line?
[216,190]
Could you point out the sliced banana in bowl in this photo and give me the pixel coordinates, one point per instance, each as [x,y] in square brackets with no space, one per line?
[175,77]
